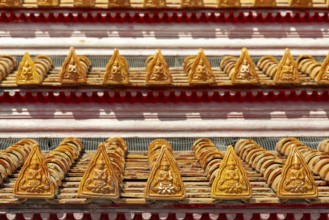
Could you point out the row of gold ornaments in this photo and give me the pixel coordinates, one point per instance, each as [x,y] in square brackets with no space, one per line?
[198,69]
[7,65]
[318,162]
[14,156]
[291,179]
[208,155]
[41,176]
[159,3]
[165,181]
[104,175]
[323,146]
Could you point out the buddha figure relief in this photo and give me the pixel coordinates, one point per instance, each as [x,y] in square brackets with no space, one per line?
[72,69]
[157,70]
[244,71]
[165,181]
[231,181]
[26,72]
[33,180]
[116,70]
[297,180]
[287,70]
[100,180]
[198,69]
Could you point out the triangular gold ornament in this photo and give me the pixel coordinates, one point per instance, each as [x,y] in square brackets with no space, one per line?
[287,72]
[231,182]
[297,181]
[27,73]
[34,181]
[116,70]
[229,3]
[264,3]
[72,71]
[323,76]
[198,69]
[157,70]
[165,181]
[100,180]
[244,70]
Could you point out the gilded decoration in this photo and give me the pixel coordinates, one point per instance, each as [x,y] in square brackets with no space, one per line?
[231,182]
[10,3]
[100,180]
[157,70]
[229,3]
[27,73]
[84,3]
[72,70]
[297,181]
[192,3]
[155,3]
[34,180]
[244,70]
[165,181]
[116,70]
[323,76]
[47,3]
[198,69]
[300,3]
[264,3]
[287,72]
[118,3]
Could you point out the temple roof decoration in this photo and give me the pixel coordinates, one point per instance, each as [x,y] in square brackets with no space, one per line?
[317,71]
[231,182]
[192,3]
[301,3]
[119,3]
[10,3]
[154,3]
[33,72]
[229,3]
[297,181]
[165,181]
[84,3]
[34,180]
[198,69]
[116,70]
[7,65]
[324,146]
[286,71]
[264,3]
[100,179]
[74,69]
[157,70]
[48,3]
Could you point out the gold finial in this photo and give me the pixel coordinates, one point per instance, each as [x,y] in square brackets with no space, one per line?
[165,181]
[264,3]
[116,70]
[323,76]
[229,3]
[34,181]
[157,70]
[231,182]
[118,3]
[155,3]
[297,181]
[198,69]
[84,3]
[100,180]
[244,70]
[287,72]
[192,3]
[300,3]
[72,69]
[47,3]
[10,3]
[27,73]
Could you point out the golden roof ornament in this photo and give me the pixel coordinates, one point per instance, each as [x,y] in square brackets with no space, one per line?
[34,181]
[100,180]
[10,3]
[116,70]
[84,3]
[297,181]
[27,72]
[229,3]
[72,69]
[155,3]
[47,3]
[231,182]
[118,3]
[198,69]
[287,72]
[244,70]
[157,70]
[300,3]
[192,3]
[264,3]
[323,76]
[165,181]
